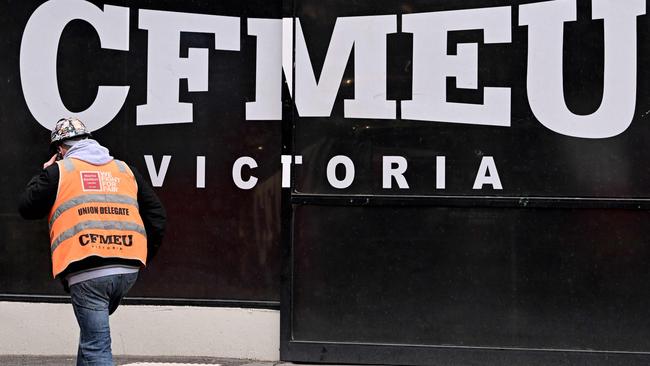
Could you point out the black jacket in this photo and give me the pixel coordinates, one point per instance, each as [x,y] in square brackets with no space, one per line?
[39,196]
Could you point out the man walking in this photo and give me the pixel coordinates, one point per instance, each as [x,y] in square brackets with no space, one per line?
[105,222]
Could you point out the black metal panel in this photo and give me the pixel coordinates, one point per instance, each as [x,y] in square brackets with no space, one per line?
[481,277]
[548,271]
[451,356]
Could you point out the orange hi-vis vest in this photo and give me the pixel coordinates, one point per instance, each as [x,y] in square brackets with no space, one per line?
[95,214]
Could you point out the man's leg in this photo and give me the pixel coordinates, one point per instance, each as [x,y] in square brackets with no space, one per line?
[90,301]
[121,285]
[93,301]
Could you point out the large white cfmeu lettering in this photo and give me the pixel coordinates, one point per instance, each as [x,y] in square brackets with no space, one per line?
[545,85]
[165,67]
[365,38]
[367,35]
[38,56]
[432,65]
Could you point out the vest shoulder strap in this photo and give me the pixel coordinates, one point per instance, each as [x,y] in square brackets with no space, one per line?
[121,166]
[68,165]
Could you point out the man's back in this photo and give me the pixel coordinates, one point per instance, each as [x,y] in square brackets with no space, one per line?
[105,223]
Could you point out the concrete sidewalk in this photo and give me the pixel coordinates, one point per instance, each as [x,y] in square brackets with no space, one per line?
[22,360]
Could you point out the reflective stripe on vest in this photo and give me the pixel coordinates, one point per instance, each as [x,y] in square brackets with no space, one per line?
[67,164]
[91,198]
[102,225]
[95,213]
[120,166]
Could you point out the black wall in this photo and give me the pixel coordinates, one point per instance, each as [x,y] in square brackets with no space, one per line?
[550,270]
[555,261]
[222,243]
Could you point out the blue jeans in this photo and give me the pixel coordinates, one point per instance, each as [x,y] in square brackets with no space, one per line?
[93,301]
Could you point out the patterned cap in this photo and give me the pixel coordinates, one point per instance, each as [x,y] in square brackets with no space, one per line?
[67,128]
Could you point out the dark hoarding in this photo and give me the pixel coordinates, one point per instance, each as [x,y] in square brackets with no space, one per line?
[496,99]
[169,87]
[472,186]
[468,180]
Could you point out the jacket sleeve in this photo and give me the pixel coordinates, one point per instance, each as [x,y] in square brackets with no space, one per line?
[152,212]
[38,197]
